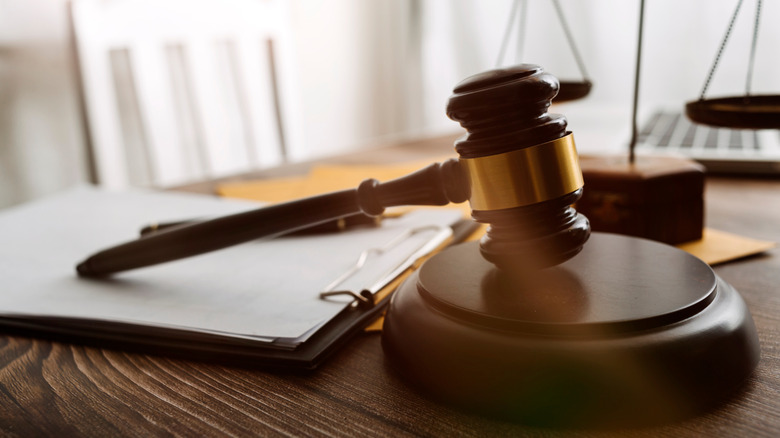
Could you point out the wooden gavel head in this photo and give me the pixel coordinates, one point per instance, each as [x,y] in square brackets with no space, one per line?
[522,168]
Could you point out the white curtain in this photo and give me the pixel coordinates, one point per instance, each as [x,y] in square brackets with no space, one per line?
[41,146]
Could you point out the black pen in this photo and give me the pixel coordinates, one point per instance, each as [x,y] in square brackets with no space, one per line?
[334,226]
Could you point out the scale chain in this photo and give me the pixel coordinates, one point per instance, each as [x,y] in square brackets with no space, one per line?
[720,51]
[753,45]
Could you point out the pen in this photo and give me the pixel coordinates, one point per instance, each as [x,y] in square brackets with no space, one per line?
[334,226]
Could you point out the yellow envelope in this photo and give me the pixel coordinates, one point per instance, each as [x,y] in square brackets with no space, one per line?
[719,246]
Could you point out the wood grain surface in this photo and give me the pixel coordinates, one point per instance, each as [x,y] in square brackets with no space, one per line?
[60,389]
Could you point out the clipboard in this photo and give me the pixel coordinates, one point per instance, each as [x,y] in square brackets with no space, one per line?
[38,308]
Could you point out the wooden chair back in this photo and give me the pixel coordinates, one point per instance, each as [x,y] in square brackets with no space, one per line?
[180,90]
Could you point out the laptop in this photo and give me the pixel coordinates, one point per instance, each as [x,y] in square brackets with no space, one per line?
[720,150]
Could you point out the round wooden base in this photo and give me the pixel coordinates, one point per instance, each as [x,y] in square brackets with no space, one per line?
[630,331]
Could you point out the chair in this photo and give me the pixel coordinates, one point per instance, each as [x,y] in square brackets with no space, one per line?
[181,90]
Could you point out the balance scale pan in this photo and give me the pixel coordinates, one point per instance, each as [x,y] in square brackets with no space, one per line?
[738,112]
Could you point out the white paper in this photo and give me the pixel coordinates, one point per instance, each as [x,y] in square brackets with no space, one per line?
[262,290]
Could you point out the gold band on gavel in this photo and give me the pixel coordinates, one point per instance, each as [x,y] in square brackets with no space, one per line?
[524,176]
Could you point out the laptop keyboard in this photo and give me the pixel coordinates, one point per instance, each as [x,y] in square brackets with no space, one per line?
[673,133]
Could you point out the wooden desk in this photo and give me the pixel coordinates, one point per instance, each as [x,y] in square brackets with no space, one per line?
[56,389]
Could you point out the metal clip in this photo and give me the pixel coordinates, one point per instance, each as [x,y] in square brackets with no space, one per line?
[366,296]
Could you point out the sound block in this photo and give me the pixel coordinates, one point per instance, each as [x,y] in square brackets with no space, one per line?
[628,332]
[653,197]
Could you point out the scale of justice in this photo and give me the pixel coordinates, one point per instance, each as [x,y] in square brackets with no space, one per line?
[542,321]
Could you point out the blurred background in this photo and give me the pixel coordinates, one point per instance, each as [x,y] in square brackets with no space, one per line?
[366,73]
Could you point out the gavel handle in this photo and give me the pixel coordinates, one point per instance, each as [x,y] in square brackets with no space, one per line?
[437,184]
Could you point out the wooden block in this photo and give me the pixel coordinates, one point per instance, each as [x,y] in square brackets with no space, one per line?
[658,198]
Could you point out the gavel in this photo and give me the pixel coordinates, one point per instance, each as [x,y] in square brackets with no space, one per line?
[517,167]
